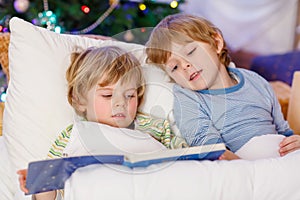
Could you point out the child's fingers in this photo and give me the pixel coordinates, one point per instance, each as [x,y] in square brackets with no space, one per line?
[22,179]
[292,139]
[289,146]
[24,189]
[22,172]
[228,155]
[285,151]
[222,157]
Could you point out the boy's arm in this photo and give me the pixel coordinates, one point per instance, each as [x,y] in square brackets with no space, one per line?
[291,142]
[281,125]
[193,121]
[56,151]
[41,196]
[160,129]
[156,127]
[60,143]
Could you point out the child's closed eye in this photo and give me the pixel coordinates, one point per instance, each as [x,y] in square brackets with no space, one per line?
[130,94]
[106,95]
[174,68]
[191,52]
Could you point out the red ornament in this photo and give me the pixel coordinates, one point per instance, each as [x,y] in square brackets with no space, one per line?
[85,9]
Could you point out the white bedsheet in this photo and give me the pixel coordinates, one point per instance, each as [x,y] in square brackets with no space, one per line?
[274,178]
[9,185]
[6,186]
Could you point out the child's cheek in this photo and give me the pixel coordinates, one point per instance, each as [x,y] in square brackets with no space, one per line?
[132,106]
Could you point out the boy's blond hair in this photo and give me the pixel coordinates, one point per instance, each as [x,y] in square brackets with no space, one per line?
[182,29]
[105,64]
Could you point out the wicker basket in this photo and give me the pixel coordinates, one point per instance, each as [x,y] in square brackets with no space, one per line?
[4,42]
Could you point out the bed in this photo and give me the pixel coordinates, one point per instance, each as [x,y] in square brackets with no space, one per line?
[36,110]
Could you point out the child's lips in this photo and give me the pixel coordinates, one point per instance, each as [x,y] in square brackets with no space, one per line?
[119,115]
[195,75]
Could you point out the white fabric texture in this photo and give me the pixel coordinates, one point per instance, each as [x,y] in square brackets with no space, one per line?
[264,179]
[91,138]
[6,186]
[36,107]
[259,147]
[256,26]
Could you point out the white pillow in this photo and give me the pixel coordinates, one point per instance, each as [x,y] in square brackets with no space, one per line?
[36,106]
[159,95]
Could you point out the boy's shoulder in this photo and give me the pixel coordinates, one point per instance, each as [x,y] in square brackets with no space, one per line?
[249,74]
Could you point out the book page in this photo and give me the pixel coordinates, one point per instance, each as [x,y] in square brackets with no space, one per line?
[200,151]
[91,138]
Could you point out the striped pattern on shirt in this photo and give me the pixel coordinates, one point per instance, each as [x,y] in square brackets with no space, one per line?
[232,115]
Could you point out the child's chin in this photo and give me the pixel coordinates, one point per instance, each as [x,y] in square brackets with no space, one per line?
[121,124]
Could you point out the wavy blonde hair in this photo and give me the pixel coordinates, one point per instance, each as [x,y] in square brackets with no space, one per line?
[182,29]
[103,66]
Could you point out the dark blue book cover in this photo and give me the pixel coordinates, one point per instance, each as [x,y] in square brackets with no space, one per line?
[47,175]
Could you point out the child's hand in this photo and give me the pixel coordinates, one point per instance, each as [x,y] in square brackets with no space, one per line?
[289,144]
[228,155]
[22,179]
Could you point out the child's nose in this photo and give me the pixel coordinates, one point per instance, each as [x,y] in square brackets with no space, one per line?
[120,102]
[186,66]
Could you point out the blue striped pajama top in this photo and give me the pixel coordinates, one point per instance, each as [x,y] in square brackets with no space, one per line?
[233,115]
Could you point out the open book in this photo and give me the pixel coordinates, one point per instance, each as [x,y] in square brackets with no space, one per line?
[47,175]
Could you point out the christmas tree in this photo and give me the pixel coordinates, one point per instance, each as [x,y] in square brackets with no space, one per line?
[130,21]
[102,17]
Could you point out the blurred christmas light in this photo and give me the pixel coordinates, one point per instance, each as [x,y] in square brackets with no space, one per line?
[21,6]
[113,5]
[142,7]
[35,21]
[85,9]
[48,13]
[48,18]
[143,30]
[3,91]
[133,13]
[57,29]
[3,96]
[174,4]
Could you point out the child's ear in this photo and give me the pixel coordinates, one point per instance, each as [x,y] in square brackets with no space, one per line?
[80,105]
[81,108]
[219,42]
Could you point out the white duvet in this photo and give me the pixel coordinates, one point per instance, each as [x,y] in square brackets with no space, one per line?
[274,179]
[268,176]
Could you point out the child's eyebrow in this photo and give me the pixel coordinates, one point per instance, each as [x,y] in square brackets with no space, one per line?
[187,48]
[104,88]
[111,89]
[130,89]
